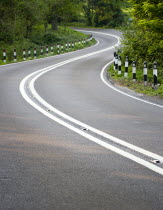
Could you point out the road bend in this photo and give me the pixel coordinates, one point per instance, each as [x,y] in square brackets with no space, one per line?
[69,139]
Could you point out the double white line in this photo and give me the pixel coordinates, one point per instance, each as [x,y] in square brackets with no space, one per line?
[41,105]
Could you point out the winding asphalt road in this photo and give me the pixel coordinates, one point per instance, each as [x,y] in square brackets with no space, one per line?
[71,140]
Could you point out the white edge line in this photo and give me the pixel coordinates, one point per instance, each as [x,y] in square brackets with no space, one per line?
[102,75]
[123,153]
[109,85]
[112,138]
[88,136]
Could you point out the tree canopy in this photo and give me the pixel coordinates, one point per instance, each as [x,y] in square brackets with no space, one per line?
[144,40]
[103,13]
[19,17]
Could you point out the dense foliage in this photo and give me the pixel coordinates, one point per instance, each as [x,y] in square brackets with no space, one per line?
[20,17]
[28,21]
[103,13]
[144,37]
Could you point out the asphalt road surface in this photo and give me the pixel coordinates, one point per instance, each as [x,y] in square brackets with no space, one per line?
[70,140]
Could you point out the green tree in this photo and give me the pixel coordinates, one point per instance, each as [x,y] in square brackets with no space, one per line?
[7,20]
[18,17]
[32,13]
[144,39]
[61,11]
[103,12]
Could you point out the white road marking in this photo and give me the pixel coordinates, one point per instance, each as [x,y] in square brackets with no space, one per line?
[104,68]
[39,73]
[112,138]
[109,85]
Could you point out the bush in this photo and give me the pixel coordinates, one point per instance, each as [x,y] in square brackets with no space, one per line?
[50,38]
[141,45]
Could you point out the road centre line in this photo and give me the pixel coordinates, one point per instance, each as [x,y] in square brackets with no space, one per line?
[88,136]
[114,139]
[105,135]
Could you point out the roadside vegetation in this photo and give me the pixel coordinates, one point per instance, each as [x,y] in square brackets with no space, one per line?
[143,37]
[63,37]
[40,23]
[137,86]
[142,41]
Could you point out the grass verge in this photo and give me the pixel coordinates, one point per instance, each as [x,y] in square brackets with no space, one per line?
[41,39]
[137,86]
